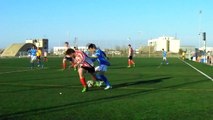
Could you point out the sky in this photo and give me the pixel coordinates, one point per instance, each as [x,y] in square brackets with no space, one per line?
[107,23]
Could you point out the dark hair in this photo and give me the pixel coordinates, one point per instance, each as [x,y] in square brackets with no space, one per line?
[129,45]
[70,51]
[92,46]
[67,43]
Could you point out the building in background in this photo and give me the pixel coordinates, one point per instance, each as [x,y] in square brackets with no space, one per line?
[169,44]
[41,43]
[61,50]
[17,49]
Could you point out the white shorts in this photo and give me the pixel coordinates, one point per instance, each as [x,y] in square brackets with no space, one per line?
[33,58]
[164,58]
[101,68]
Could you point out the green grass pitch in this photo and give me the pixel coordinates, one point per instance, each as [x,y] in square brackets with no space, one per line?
[148,91]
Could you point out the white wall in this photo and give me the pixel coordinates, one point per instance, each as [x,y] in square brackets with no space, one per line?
[161,43]
[174,46]
[59,50]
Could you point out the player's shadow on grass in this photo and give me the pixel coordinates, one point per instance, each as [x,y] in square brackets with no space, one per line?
[139,82]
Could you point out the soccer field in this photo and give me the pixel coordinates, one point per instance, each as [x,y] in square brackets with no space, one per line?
[148,91]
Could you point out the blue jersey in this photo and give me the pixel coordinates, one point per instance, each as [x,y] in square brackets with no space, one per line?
[33,52]
[164,53]
[101,57]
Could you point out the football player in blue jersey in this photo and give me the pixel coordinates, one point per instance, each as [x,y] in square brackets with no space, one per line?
[164,54]
[100,56]
[33,57]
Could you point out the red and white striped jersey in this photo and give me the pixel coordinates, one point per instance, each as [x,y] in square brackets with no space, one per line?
[82,59]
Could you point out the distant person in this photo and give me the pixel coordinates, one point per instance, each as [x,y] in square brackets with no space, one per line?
[38,56]
[164,54]
[183,55]
[75,48]
[45,56]
[130,57]
[208,58]
[66,57]
[32,52]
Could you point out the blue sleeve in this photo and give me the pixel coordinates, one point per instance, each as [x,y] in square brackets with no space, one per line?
[98,53]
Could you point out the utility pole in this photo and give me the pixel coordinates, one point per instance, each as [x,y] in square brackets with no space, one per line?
[204,42]
[200,28]
[75,42]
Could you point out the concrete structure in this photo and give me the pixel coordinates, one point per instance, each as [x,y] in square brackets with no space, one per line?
[41,43]
[20,49]
[169,44]
[17,49]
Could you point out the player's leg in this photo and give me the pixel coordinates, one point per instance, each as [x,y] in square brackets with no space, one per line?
[132,61]
[91,70]
[32,59]
[129,62]
[106,81]
[166,61]
[64,63]
[99,81]
[101,75]
[82,79]
[163,60]
[39,61]
[45,59]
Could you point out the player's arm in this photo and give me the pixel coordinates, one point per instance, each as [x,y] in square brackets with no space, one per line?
[105,55]
[93,57]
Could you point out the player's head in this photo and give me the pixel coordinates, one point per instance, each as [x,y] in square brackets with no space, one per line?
[66,44]
[162,49]
[129,45]
[70,52]
[75,48]
[92,47]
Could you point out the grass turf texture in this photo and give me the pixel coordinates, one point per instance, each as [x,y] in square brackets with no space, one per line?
[148,91]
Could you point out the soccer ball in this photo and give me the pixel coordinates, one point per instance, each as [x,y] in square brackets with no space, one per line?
[90,83]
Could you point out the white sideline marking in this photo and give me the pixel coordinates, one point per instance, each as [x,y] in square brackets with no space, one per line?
[197,70]
[17,71]
[13,71]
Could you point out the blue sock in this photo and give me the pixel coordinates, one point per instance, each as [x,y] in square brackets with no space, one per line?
[105,80]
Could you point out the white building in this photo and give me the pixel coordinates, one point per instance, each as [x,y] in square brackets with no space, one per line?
[169,44]
[61,50]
